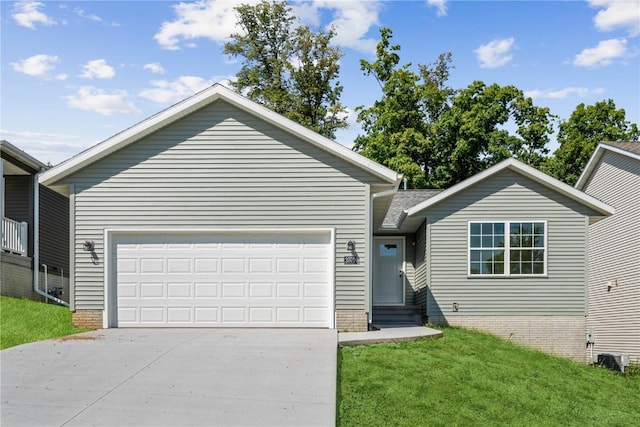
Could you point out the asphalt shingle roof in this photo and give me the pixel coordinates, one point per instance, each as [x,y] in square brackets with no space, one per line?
[405,199]
[630,146]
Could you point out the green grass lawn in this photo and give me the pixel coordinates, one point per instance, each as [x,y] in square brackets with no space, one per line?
[23,321]
[468,378]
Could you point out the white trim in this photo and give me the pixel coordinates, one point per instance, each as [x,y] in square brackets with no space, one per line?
[196,102]
[507,247]
[21,156]
[522,169]
[595,160]
[109,256]
[404,269]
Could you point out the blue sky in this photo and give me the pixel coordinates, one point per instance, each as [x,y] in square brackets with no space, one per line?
[74,73]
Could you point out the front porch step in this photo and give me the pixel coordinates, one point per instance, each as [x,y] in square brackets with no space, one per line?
[401,315]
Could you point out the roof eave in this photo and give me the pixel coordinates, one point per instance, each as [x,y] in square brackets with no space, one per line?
[21,156]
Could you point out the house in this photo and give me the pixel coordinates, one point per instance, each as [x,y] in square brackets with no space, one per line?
[219,212]
[613,176]
[35,230]
[503,251]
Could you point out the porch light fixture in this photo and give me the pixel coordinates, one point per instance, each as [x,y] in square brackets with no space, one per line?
[351,245]
[89,245]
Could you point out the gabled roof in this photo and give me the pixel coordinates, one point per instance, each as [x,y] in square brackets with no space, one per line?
[522,169]
[21,156]
[196,102]
[626,148]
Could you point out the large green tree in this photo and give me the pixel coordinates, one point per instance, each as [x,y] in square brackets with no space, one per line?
[288,68]
[437,136]
[580,134]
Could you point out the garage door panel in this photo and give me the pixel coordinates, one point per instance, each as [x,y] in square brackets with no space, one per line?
[231,280]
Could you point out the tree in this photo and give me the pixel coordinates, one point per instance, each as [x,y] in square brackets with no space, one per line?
[437,136]
[579,136]
[292,71]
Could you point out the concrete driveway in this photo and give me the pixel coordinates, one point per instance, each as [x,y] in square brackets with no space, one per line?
[173,377]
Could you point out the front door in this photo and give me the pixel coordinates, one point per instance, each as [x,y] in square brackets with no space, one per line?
[388,271]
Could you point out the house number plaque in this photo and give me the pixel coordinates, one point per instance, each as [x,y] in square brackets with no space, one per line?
[351,259]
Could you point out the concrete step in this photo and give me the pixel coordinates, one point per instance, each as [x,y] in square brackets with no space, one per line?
[401,315]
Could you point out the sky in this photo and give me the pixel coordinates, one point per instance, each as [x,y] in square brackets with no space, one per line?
[74,73]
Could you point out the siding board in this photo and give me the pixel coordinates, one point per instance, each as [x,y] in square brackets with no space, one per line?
[506,196]
[221,168]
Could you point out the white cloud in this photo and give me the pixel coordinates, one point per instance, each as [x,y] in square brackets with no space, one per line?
[154,67]
[211,19]
[352,21]
[46,146]
[61,77]
[91,17]
[37,65]
[581,92]
[496,53]
[615,14]
[603,54]
[90,98]
[164,91]
[27,14]
[440,5]
[215,20]
[98,68]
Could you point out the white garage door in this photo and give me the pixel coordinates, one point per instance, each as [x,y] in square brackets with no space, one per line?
[225,280]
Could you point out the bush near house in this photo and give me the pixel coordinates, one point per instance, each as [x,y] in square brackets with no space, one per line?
[24,321]
[471,378]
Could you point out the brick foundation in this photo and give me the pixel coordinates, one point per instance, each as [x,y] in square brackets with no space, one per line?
[352,321]
[91,319]
[559,335]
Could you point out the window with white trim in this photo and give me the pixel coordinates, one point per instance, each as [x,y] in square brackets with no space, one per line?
[507,248]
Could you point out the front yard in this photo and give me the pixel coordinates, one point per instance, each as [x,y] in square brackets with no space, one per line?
[468,378]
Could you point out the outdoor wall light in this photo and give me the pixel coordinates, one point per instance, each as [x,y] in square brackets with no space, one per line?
[89,245]
[351,245]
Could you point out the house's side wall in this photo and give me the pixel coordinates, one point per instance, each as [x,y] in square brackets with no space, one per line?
[614,243]
[521,306]
[18,193]
[54,231]
[221,168]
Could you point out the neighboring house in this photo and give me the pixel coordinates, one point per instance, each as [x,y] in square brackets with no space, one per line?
[219,212]
[503,251]
[613,176]
[35,229]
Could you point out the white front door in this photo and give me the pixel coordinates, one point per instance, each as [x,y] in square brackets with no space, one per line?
[388,271]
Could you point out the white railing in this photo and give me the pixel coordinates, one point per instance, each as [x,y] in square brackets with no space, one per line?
[15,236]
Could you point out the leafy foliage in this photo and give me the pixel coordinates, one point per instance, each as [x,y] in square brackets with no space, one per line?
[579,136]
[437,136]
[290,70]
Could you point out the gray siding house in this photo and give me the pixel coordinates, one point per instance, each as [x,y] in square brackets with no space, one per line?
[504,251]
[613,176]
[219,212]
[35,229]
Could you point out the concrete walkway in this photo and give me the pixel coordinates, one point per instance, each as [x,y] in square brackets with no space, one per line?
[173,377]
[387,334]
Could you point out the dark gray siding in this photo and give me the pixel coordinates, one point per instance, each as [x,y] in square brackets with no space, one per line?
[507,196]
[221,168]
[614,243]
[54,230]
[19,202]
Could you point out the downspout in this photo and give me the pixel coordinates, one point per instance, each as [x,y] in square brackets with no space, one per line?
[36,245]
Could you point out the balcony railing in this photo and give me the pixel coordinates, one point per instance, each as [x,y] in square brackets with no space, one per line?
[15,236]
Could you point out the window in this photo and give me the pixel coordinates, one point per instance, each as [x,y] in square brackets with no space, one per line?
[507,248]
